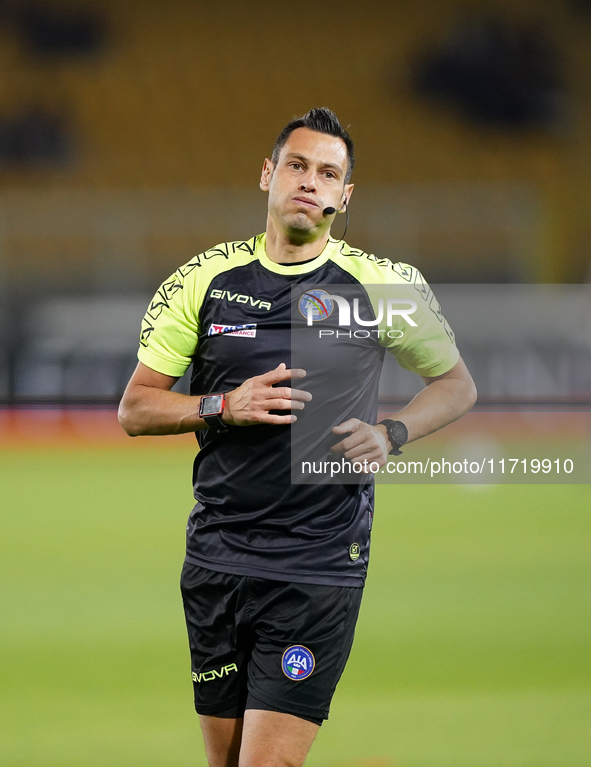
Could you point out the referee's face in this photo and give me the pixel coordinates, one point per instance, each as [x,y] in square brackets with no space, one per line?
[309,176]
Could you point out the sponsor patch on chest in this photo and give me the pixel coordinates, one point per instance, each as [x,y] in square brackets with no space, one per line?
[244,331]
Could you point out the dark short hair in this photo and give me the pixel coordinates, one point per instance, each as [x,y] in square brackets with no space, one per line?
[322,120]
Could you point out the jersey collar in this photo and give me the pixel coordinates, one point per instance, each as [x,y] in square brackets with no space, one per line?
[261,253]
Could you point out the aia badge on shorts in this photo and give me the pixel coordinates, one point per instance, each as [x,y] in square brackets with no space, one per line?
[297,662]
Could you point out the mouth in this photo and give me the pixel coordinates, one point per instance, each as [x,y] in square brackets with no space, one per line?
[305,201]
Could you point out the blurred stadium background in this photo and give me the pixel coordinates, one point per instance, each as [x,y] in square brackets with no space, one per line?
[131,138]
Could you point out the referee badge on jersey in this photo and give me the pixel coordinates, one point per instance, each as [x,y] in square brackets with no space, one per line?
[297,662]
[316,304]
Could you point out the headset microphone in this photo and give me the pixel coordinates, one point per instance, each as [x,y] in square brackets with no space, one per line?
[330,211]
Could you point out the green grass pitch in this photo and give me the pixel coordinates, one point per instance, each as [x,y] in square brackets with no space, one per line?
[472,649]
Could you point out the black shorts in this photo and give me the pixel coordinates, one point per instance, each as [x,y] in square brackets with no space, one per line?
[271,645]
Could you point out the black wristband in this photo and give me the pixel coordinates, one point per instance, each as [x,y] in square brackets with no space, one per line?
[215,422]
[397,434]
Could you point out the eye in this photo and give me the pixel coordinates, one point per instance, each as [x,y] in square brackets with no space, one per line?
[329,174]
[295,165]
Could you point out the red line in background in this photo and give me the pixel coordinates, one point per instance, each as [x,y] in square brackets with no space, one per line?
[73,427]
[99,427]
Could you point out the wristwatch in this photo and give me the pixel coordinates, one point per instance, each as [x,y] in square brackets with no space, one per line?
[211,409]
[397,434]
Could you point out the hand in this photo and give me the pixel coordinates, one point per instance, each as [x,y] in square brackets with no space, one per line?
[250,403]
[366,444]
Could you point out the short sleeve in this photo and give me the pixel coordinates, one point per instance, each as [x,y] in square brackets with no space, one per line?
[428,346]
[170,328]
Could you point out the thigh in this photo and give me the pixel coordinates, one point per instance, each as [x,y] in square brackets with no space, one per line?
[272,738]
[303,637]
[218,639]
[222,739]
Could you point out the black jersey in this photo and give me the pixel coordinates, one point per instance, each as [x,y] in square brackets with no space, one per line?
[229,313]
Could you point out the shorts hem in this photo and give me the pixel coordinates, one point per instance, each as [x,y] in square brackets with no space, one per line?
[216,708]
[294,710]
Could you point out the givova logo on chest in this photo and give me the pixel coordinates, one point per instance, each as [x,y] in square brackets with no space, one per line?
[240,298]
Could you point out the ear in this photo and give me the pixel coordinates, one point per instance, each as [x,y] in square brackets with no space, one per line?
[266,174]
[347,192]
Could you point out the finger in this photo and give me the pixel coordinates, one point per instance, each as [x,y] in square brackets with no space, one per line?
[355,439]
[360,452]
[277,420]
[281,373]
[300,394]
[344,446]
[287,393]
[351,425]
[283,404]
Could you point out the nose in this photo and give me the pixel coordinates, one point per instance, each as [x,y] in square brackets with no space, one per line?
[308,184]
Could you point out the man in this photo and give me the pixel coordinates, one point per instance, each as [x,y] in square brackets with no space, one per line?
[273,577]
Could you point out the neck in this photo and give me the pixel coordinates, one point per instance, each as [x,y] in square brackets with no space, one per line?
[283,250]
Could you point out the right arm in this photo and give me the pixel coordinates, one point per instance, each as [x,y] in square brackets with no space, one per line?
[169,337]
[149,407]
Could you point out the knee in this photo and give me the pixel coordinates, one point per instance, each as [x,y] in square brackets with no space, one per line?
[269,757]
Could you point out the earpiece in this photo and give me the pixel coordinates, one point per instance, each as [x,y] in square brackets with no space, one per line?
[329,211]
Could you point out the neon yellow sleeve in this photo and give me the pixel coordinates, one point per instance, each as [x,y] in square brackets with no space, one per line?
[428,347]
[170,328]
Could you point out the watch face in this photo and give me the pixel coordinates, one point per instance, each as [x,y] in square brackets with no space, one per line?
[211,405]
[399,432]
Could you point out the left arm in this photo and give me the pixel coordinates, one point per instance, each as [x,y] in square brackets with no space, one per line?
[444,399]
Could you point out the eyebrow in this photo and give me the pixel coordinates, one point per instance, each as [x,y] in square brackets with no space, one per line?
[332,165]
